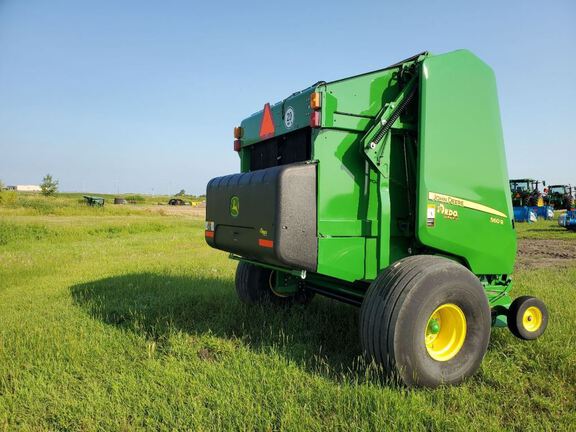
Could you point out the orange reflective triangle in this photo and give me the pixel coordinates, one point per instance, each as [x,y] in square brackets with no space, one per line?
[267,123]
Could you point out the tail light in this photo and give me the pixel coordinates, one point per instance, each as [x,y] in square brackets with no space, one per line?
[209,229]
[315,105]
[238,133]
[315,119]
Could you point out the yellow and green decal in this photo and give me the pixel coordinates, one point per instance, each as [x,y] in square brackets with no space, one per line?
[459,202]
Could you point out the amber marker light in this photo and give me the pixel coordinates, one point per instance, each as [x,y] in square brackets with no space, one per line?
[316,100]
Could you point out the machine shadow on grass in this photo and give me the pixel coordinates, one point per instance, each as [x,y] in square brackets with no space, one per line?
[321,337]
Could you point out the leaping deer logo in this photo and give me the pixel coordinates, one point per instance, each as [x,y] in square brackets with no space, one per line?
[234,206]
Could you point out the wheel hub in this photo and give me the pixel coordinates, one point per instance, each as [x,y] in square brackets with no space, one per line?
[445,332]
[532,319]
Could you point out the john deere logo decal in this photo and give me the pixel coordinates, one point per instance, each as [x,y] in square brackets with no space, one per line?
[234,206]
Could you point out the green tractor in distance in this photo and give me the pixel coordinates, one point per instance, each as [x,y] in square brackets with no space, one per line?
[561,197]
[373,190]
[526,192]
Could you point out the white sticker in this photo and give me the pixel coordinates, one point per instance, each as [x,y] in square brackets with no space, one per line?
[289,117]
[430,215]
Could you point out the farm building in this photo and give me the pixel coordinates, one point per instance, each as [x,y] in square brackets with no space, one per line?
[24,188]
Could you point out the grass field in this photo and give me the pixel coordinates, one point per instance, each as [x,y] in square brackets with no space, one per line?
[128,321]
[73,204]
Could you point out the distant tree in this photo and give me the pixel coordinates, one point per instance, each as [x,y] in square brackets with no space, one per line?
[1,186]
[181,193]
[49,186]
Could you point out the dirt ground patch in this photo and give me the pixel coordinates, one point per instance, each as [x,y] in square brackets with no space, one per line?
[538,253]
[196,212]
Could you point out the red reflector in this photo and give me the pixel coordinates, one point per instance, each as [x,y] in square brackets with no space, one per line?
[265,243]
[209,234]
[237,145]
[315,119]
[267,123]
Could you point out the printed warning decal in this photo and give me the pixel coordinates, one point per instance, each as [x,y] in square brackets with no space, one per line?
[431,215]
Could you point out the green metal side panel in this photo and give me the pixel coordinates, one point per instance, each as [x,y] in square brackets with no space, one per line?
[341,217]
[360,96]
[349,198]
[464,205]
[340,183]
[341,257]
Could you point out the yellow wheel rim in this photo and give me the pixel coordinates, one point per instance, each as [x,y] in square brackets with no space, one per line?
[532,319]
[445,332]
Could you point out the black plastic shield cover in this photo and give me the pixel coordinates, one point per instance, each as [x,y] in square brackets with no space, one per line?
[268,215]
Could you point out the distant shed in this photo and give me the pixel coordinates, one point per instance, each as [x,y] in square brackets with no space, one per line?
[24,188]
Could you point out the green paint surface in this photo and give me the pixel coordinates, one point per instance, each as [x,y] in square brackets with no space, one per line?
[373,202]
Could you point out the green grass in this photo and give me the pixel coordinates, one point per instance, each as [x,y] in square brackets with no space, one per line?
[73,204]
[130,322]
[138,198]
[544,229]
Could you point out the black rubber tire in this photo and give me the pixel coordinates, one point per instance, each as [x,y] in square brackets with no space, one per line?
[516,313]
[395,313]
[253,287]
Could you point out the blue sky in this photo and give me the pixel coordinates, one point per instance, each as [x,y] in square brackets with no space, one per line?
[136,96]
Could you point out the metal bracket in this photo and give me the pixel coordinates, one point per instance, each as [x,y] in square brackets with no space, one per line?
[297,273]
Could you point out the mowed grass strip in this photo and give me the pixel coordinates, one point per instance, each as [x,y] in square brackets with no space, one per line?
[131,322]
[545,230]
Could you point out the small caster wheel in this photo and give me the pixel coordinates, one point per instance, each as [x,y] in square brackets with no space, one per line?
[527,317]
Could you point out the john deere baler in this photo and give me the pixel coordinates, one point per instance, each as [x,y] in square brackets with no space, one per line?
[387,190]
